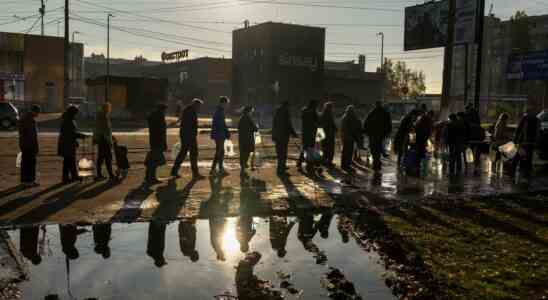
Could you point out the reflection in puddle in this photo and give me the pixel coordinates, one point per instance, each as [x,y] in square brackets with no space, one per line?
[197,259]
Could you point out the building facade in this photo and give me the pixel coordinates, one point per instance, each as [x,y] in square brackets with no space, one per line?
[32,70]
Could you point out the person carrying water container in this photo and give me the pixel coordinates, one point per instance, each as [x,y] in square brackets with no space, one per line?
[220,133]
[189,139]
[246,138]
[377,126]
[68,144]
[501,136]
[327,121]
[28,143]
[526,138]
[282,130]
[456,142]
[351,135]
[158,143]
[309,118]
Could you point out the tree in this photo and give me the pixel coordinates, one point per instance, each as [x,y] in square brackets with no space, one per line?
[520,32]
[398,76]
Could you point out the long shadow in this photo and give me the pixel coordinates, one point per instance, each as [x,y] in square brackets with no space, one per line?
[52,205]
[250,197]
[16,203]
[12,190]
[131,206]
[216,203]
[95,192]
[527,217]
[171,200]
[295,199]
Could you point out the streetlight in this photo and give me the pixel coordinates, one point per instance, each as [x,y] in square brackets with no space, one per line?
[72,61]
[107,85]
[381,34]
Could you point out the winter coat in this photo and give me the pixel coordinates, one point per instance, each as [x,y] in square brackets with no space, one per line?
[501,134]
[282,127]
[28,134]
[189,126]
[378,124]
[246,133]
[327,122]
[157,131]
[309,118]
[68,136]
[527,131]
[351,129]
[423,129]
[406,125]
[219,130]
[456,134]
[103,128]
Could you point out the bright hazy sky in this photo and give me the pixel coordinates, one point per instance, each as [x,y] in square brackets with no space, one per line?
[205,26]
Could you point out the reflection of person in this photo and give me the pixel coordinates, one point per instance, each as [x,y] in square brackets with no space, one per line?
[217,226]
[245,232]
[157,242]
[309,118]
[323,224]
[250,286]
[351,134]
[187,239]
[327,121]
[28,143]
[101,238]
[279,232]
[68,144]
[306,232]
[158,143]
[102,137]
[69,235]
[246,137]
[219,134]
[377,126]
[28,244]
[282,130]
[189,139]
[343,228]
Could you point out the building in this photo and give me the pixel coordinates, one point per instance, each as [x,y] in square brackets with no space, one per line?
[130,96]
[31,70]
[273,62]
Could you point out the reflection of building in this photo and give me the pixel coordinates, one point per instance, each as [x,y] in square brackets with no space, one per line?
[31,69]
[275,61]
[130,96]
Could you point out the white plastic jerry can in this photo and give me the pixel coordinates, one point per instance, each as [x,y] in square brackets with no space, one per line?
[18,160]
[229,148]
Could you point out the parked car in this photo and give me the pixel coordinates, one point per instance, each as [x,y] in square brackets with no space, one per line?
[9,116]
[543,136]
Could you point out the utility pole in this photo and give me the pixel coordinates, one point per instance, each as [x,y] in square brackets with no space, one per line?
[66,54]
[72,62]
[448,62]
[381,34]
[479,61]
[107,83]
[42,11]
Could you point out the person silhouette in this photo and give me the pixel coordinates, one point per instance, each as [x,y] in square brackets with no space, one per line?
[279,232]
[157,242]
[187,239]
[306,232]
[217,227]
[245,232]
[101,239]
[69,235]
[323,224]
[28,244]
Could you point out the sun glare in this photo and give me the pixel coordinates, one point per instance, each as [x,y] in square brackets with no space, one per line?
[231,246]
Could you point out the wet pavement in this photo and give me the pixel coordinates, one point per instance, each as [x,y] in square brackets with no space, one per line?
[291,257]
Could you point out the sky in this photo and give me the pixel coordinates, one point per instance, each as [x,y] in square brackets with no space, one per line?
[149,27]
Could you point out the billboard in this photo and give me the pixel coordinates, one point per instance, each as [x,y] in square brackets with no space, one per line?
[528,66]
[426,25]
[465,21]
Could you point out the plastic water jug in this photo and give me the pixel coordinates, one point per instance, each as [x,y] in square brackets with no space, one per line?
[18,160]
[229,149]
[175,150]
[85,167]
[469,156]
[320,135]
[258,138]
[508,150]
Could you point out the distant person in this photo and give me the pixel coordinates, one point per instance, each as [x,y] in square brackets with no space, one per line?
[220,133]
[68,144]
[246,137]
[28,244]
[476,134]
[351,135]
[401,139]
[377,126]
[69,236]
[279,232]
[327,122]
[187,239]
[101,239]
[526,139]
[189,139]
[282,130]
[456,141]
[423,129]
[29,146]
[158,143]
[309,119]
[501,136]
[102,137]
[156,242]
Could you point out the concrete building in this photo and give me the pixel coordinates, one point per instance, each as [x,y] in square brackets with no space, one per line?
[273,62]
[31,70]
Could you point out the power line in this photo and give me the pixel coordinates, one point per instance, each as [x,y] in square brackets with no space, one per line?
[33,24]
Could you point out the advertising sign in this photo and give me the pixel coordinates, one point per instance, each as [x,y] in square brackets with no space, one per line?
[528,66]
[465,21]
[177,56]
[426,25]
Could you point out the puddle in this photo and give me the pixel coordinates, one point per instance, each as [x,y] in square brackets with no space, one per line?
[287,256]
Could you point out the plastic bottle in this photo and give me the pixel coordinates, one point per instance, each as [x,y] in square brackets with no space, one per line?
[18,160]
